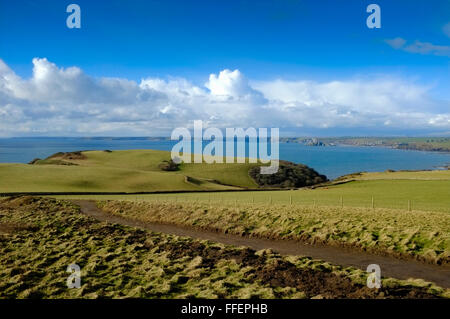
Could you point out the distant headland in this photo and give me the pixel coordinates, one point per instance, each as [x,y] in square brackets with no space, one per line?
[434,144]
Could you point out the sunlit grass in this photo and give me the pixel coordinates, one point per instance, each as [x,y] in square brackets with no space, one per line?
[423,235]
[425,195]
[121,171]
[39,238]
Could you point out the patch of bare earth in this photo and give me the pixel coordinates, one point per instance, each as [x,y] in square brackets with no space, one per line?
[282,273]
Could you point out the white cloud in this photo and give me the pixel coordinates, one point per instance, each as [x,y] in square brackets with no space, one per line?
[382,95]
[396,43]
[419,47]
[446,29]
[428,48]
[229,83]
[58,101]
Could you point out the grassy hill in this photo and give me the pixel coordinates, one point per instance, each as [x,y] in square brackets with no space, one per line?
[120,171]
[133,171]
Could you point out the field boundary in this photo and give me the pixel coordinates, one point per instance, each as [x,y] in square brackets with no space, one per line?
[147,193]
[238,189]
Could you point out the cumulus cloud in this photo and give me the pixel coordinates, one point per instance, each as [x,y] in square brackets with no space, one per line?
[66,101]
[232,84]
[419,47]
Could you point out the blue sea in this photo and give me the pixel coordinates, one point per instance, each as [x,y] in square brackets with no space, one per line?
[332,161]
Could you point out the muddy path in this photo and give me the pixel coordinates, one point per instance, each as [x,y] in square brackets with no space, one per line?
[390,267]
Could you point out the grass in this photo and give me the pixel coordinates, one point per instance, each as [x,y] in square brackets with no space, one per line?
[421,175]
[417,234]
[40,237]
[138,171]
[120,171]
[422,190]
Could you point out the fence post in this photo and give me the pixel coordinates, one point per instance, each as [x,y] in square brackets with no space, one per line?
[409,205]
[290,199]
[342,202]
[373,206]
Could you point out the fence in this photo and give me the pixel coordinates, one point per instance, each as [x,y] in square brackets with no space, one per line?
[369,202]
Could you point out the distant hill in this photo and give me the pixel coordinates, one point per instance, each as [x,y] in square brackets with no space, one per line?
[434,144]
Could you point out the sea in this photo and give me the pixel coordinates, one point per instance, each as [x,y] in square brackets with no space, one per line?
[332,161]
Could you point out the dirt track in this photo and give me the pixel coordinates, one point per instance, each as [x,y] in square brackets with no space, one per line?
[390,267]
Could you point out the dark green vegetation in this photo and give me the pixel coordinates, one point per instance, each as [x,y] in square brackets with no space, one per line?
[169,166]
[60,158]
[289,175]
[40,237]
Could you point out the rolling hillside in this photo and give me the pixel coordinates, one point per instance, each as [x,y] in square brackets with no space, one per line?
[119,171]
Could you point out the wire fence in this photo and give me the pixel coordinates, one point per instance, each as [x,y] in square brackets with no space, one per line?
[369,202]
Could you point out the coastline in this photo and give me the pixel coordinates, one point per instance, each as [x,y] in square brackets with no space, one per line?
[426,144]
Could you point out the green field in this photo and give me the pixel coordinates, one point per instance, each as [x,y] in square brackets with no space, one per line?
[408,175]
[121,171]
[424,190]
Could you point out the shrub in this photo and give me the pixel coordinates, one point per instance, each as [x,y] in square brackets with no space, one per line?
[169,166]
[289,175]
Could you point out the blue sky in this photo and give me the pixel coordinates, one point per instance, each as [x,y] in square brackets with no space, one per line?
[268,42]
